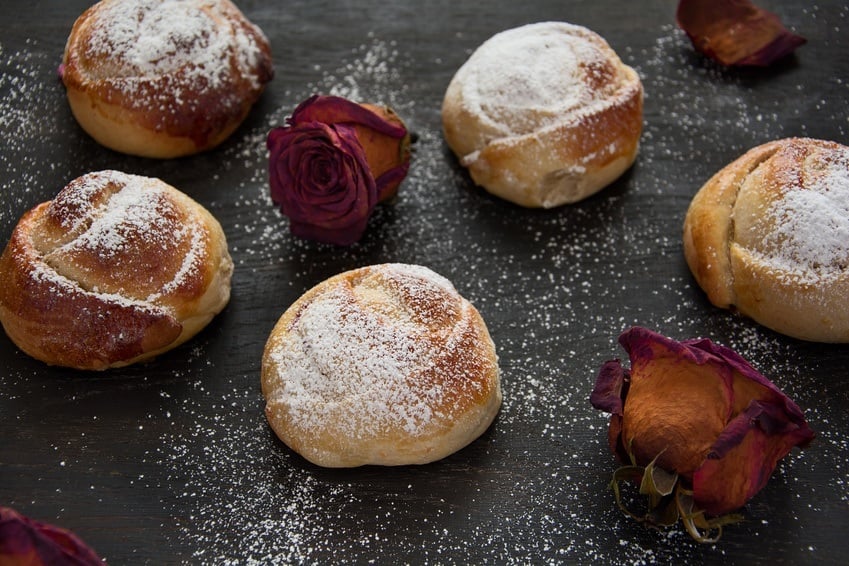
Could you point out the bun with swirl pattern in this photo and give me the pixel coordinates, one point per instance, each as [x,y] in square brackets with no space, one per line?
[768,236]
[385,365]
[544,114]
[116,269]
[164,78]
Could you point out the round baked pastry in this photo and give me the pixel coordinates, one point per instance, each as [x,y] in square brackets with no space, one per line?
[768,235]
[116,269]
[384,365]
[164,78]
[545,114]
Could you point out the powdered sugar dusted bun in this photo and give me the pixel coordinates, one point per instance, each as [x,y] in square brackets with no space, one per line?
[545,114]
[164,78]
[768,235]
[116,269]
[385,365]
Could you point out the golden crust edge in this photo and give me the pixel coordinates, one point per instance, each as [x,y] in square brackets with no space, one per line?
[709,225]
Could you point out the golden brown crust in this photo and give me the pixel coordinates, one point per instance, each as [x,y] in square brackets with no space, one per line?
[116,269]
[766,236]
[708,226]
[544,115]
[383,365]
[164,79]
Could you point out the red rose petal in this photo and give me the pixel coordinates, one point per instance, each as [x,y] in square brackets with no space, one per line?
[320,179]
[387,183]
[745,455]
[610,388]
[338,110]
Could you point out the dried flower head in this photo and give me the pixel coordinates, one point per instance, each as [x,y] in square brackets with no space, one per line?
[332,163]
[697,419]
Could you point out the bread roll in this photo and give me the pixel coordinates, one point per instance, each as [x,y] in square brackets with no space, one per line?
[768,235]
[116,269]
[384,365]
[164,78]
[545,114]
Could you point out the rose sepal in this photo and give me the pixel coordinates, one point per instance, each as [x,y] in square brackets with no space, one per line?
[667,501]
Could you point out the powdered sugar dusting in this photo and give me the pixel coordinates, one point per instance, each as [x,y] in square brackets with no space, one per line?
[353,367]
[26,89]
[191,263]
[63,287]
[121,238]
[535,76]
[135,212]
[535,489]
[349,356]
[561,293]
[154,38]
[128,221]
[808,227]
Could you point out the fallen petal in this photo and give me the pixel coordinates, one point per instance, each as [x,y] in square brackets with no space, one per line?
[736,32]
[26,541]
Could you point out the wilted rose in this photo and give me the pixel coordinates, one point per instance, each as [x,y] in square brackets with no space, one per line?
[700,413]
[27,542]
[736,32]
[333,162]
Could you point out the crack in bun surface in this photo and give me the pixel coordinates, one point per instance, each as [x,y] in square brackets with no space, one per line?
[768,236]
[116,269]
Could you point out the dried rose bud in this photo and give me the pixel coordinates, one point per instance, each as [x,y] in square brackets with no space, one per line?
[332,163]
[24,541]
[698,411]
[380,131]
[736,32]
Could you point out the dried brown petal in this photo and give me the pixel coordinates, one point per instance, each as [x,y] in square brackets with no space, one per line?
[736,32]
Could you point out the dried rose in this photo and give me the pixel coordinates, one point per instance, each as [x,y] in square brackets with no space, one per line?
[696,414]
[27,542]
[736,32]
[332,163]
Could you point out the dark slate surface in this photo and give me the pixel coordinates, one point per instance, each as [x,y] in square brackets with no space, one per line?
[172,461]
